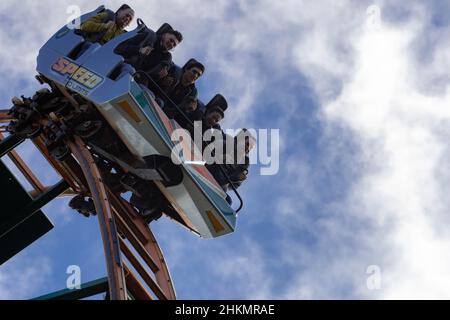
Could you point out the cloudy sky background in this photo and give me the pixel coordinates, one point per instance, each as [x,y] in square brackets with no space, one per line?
[360,93]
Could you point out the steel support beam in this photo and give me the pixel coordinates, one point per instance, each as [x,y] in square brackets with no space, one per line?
[32,207]
[21,220]
[9,143]
[86,290]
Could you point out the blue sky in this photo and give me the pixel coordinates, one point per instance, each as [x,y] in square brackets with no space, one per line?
[361,102]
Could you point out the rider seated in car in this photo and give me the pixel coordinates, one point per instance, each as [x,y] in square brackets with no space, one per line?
[190,113]
[180,93]
[179,85]
[211,119]
[235,165]
[214,112]
[107,25]
[238,165]
[148,50]
[217,103]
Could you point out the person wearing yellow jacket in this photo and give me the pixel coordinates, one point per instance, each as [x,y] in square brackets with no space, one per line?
[107,25]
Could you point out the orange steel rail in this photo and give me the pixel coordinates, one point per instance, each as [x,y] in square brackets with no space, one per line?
[117,288]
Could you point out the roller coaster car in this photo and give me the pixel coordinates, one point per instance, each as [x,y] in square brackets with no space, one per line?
[196,199]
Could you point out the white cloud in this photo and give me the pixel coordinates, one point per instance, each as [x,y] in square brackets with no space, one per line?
[244,269]
[24,276]
[401,191]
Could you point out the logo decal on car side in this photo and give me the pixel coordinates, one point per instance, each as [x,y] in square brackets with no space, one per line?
[78,74]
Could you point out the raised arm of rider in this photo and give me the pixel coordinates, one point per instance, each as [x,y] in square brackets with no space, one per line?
[131,47]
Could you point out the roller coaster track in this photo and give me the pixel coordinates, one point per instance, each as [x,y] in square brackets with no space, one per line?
[129,244]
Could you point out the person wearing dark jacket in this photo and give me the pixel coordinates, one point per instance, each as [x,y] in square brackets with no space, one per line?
[235,167]
[179,87]
[107,25]
[183,85]
[149,51]
[211,119]
[191,113]
[209,123]
[214,112]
